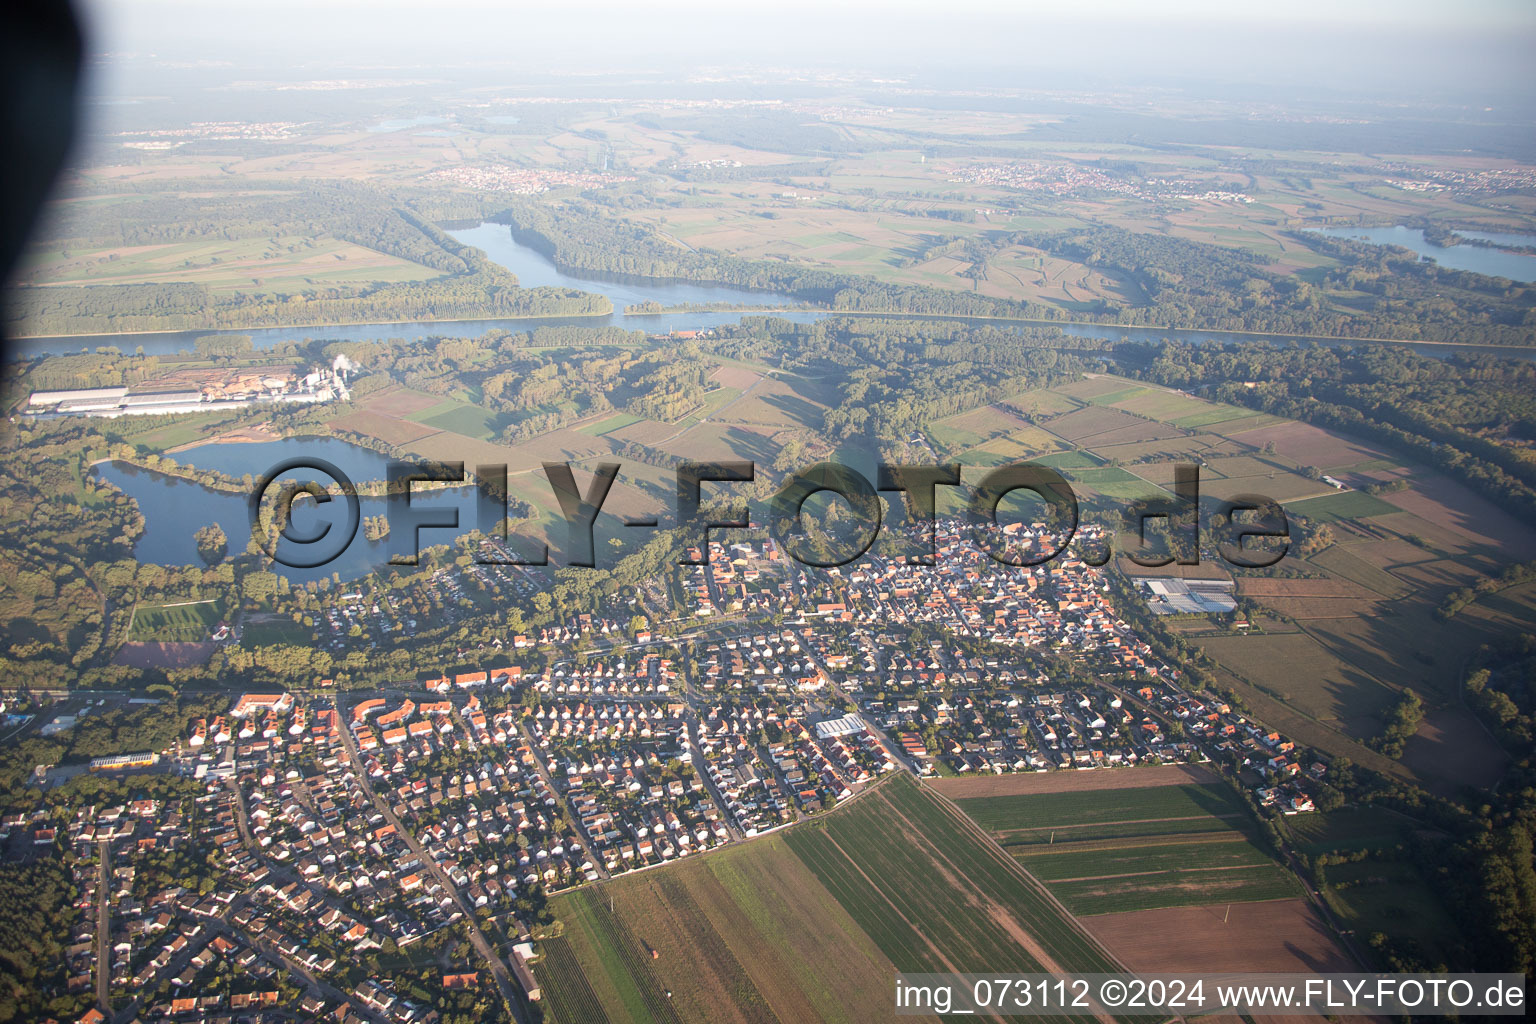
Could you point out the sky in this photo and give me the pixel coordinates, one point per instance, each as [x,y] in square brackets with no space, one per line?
[1468,48]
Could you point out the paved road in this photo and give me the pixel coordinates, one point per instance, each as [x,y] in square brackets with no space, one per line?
[104,928]
[483,945]
[564,806]
[701,767]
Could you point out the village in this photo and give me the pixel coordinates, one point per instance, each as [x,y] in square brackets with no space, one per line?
[329,827]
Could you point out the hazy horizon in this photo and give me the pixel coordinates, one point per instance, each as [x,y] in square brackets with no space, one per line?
[1475,54]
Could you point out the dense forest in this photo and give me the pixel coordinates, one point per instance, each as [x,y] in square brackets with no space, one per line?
[1375,292]
[891,378]
[35,915]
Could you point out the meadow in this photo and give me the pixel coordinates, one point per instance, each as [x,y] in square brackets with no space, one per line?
[185,623]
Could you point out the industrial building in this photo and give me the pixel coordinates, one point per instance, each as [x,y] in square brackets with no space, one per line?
[234,391]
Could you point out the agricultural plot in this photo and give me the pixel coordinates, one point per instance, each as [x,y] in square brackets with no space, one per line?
[607,425]
[1113,482]
[1437,500]
[1348,505]
[1176,888]
[1304,599]
[907,893]
[1304,444]
[282,265]
[389,429]
[183,623]
[459,418]
[995,453]
[1070,460]
[1006,815]
[1245,466]
[1107,851]
[1164,452]
[721,441]
[1296,668]
[1124,394]
[1176,853]
[746,934]
[738,377]
[1094,425]
[399,401]
[646,432]
[988,421]
[1213,415]
[1338,559]
[778,403]
[1089,388]
[1279,484]
[1246,425]
[715,401]
[1031,783]
[1043,403]
[1393,897]
[568,996]
[1161,405]
[1277,935]
[1364,827]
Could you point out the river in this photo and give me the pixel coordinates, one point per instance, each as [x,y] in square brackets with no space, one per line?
[533,268]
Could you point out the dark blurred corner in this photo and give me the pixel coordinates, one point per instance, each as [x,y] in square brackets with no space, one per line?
[40,56]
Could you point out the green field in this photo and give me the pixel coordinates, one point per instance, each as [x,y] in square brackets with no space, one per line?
[175,623]
[1153,828]
[1090,896]
[274,632]
[459,418]
[1350,828]
[1211,416]
[608,425]
[905,893]
[1220,851]
[1120,395]
[1108,851]
[1393,897]
[1004,813]
[1346,505]
[1297,668]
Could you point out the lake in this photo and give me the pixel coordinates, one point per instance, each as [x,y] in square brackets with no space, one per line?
[1475,258]
[175,509]
[401,123]
[238,459]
